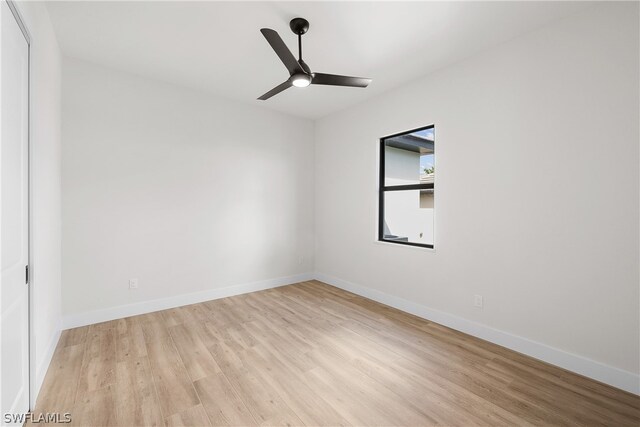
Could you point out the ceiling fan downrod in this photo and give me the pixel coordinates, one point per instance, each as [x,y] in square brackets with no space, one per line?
[299,26]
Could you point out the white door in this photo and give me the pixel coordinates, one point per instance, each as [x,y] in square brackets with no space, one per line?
[14,214]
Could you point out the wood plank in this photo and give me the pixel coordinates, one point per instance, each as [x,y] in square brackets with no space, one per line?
[58,392]
[154,330]
[137,402]
[195,355]
[95,408]
[99,361]
[174,387]
[293,389]
[264,403]
[130,340]
[73,336]
[195,416]
[222,404]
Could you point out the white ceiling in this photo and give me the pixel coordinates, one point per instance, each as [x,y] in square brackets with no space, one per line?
[217,46]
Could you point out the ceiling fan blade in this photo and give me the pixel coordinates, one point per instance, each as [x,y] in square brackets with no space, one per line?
[282,50]
[336,80]
[276,90]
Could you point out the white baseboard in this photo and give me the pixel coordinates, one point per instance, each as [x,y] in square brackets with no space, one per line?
[43,365]
[118,312]
[615,377]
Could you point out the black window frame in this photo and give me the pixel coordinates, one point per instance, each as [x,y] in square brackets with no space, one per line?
[382,189]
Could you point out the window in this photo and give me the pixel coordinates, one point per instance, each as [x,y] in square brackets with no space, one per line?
[407,169]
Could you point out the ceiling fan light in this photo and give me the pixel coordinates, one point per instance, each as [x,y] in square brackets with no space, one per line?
[300,80]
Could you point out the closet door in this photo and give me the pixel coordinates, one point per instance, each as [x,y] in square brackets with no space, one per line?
[14,215]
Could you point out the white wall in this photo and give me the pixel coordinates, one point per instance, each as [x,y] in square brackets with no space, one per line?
[45,187]
[402,167]
[183,191]
[537,205]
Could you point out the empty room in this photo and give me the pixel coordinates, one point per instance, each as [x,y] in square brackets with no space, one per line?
[320,213]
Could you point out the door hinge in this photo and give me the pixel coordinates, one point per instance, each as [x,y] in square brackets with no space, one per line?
[26,274]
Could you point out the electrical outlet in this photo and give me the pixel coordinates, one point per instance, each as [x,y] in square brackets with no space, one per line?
[301,260]
[133,283]
[477,301]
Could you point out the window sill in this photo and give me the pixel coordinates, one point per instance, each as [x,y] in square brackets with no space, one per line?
[420,248]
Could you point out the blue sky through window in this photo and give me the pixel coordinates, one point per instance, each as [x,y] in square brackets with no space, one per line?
[426,161]
[425,133]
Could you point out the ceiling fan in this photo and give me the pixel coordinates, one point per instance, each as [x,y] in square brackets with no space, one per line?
[300,74]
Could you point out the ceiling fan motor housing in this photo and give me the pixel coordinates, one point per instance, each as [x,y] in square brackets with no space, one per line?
[299,26]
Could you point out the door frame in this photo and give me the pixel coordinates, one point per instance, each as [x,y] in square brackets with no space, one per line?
[31,387]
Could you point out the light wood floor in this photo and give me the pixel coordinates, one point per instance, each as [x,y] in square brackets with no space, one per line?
[310,354]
